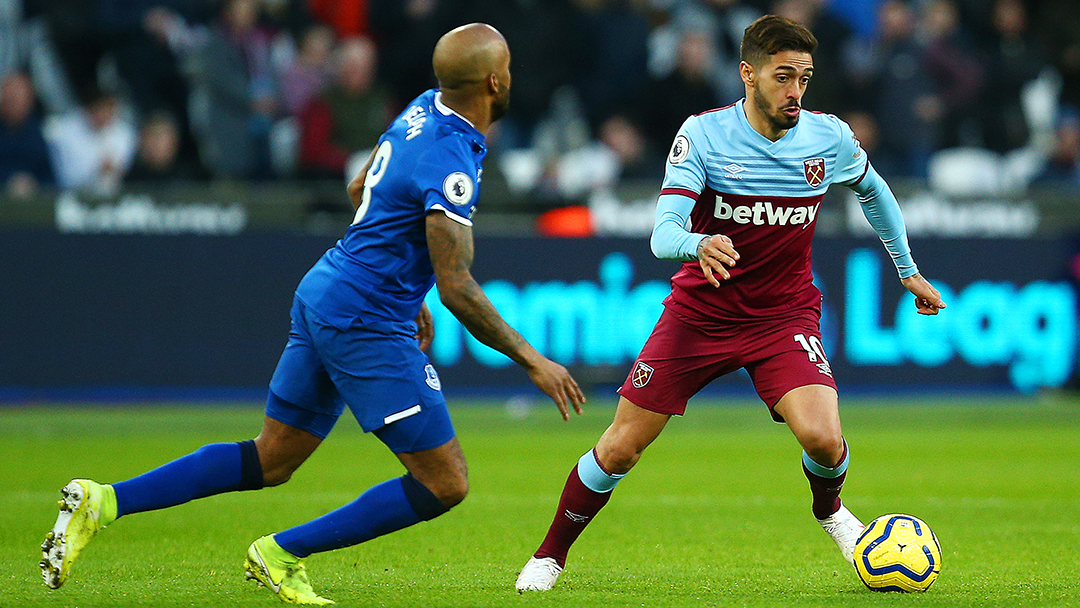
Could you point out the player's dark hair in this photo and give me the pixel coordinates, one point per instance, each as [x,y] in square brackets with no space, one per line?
[773,34]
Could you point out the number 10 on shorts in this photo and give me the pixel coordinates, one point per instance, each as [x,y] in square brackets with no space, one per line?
[815,352]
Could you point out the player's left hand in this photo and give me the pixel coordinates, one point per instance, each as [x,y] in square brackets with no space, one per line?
[425,328]
[927,299]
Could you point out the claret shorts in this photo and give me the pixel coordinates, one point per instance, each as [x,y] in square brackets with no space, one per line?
[679,359]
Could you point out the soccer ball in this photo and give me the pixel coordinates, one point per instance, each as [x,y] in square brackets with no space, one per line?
[897,553]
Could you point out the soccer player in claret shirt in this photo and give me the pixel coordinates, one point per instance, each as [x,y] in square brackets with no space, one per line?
[359,328]
[750,179]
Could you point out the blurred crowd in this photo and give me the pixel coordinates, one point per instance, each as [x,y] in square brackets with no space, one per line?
[99,94]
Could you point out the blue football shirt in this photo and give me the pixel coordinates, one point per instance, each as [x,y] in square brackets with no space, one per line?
[428,159]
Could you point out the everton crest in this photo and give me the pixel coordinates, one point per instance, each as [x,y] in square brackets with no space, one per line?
[814,171]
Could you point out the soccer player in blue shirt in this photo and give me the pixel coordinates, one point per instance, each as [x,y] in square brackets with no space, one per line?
[359,329]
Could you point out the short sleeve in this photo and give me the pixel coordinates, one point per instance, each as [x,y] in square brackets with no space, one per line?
[446,178]
[851,162]
[685,171]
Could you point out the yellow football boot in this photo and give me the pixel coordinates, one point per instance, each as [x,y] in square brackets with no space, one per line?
[280,571]
[85,508]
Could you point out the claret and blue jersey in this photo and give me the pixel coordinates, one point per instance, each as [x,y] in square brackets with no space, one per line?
[429,159]
[765,195]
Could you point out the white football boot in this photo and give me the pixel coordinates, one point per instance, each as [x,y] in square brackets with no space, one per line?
[539,574]
[844,528]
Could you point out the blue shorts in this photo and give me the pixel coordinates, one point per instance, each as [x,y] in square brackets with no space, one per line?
[377,370]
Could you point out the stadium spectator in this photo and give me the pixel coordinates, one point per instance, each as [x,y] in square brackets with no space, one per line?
[892,83]
[687,90]
[620,151]
[241,87]
[831,90]
[637,158]
[24,155]
[1058,27]
[310,70]
[1063,166]
[25,45]
[347,18]
[407,30]
[865,129]
[158,158]
[547,45]
[725,21]
[1014,58]
[950,59]
[612,67]
[92,35]
[92,148]
[78,43]
[348,116]
[236,83]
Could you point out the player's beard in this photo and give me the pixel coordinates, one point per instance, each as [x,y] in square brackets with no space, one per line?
[500,106]
[776,116]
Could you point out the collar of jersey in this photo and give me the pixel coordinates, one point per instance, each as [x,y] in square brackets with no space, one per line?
[446,110]
[761,140]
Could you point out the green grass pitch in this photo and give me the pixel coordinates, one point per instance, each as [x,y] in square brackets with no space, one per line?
[716,514]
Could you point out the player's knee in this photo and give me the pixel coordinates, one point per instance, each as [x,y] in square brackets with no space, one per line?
[277,467]
[453,493]
[826,449]
[448,490]
[277,475]
[617,457]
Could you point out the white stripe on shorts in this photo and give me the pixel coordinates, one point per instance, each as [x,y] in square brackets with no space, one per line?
[402,414]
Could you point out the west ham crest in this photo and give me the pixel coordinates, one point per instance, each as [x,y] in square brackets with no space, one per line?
[814,171]
[642,374]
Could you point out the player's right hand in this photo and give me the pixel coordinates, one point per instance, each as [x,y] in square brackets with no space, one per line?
[557,382]
[425,327]
[715,253]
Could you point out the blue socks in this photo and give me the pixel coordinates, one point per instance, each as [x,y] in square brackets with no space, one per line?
[384,508]
[226,467]
[212,469]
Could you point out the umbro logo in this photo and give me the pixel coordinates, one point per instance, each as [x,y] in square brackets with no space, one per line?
[574,517]
[733,171]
